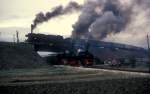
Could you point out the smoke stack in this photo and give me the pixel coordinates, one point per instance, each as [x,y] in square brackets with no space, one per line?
[32,28]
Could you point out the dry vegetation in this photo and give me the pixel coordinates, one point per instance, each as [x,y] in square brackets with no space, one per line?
[69,80]
[20,55]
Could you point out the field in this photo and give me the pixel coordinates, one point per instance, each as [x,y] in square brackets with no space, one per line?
[23,71]
[72,80]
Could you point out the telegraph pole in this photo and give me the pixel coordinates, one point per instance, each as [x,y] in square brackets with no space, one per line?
[148,53]
[0,34]
[148,42]
[17,36]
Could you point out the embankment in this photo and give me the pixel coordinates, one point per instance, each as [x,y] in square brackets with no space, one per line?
[21,55]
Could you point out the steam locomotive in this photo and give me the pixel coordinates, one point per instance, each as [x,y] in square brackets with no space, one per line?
[67,54]
[91,52]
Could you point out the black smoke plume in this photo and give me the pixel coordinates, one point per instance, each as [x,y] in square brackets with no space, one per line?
[57,11]
[102,17]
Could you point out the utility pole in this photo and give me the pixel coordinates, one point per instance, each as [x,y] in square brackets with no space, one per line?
[148,54]
[17,36]
[0,34]
[148,42]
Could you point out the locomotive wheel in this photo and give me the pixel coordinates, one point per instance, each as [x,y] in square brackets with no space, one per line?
[86,62]
[71,62]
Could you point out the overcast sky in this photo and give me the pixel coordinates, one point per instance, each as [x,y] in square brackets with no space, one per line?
[19,14]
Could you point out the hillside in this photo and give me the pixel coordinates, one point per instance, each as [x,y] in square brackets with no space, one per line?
[20,55]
